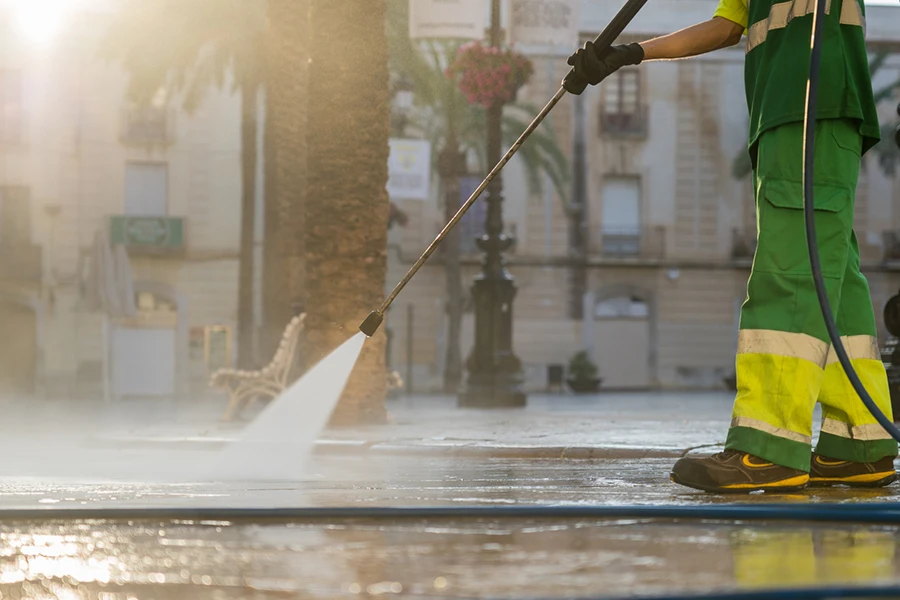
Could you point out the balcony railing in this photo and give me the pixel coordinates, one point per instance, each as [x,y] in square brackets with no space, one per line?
[619,124]
[647,243]
[149,125]
[21,262]
[148,235]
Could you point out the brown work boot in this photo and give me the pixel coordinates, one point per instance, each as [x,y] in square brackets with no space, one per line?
[824,472]
[734,471]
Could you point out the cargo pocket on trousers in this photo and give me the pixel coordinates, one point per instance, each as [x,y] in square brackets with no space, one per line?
[782,228]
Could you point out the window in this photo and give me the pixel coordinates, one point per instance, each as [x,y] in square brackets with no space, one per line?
[621,110]
[146,189]
[621,214]
[10,106]
[15,216]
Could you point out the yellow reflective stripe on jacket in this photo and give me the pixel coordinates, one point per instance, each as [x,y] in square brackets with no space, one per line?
[857,347]
[782,343]
[868,432]
[771,429]
[782,13]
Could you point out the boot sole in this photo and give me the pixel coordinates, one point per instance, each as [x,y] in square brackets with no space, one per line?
[858,481]
[787,485]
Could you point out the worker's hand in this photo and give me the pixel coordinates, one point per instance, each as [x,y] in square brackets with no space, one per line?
[590,68]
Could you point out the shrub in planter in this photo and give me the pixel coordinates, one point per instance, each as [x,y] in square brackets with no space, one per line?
[584,376]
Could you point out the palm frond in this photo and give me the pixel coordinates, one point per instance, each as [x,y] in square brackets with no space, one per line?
[186,47]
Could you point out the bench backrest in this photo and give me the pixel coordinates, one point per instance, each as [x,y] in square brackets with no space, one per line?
[281,364]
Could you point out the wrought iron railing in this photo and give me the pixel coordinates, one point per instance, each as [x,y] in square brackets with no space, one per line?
[149,125]
[644,243]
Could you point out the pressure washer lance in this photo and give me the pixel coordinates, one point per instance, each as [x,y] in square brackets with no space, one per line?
[603,41]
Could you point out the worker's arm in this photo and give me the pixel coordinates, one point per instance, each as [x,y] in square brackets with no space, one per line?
[704,37]
[592,65]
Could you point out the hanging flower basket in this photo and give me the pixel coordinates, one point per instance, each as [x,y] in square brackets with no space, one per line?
[489,76]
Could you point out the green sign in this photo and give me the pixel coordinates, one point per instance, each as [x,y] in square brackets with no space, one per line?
[156,233]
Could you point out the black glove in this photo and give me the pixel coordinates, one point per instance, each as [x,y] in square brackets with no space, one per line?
[589,68]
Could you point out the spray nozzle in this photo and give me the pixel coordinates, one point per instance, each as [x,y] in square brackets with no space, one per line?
[372,323]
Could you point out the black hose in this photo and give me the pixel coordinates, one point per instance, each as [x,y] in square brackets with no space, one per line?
[867,513]
[809,123]
[824,593]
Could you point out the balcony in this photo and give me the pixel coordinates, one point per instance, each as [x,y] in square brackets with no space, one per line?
[153,236]
[148,126]
[21,263]
[743,245]
[624,124]
[648,243]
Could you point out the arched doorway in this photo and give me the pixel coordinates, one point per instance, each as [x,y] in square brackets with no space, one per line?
[19,350]
[623,339]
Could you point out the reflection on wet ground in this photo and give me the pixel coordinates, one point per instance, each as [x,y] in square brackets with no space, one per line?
[446,558]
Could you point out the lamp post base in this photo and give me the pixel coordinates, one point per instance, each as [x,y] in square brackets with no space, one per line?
[495,372]
[495,395]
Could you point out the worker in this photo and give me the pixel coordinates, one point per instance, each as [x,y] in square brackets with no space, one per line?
[784,362]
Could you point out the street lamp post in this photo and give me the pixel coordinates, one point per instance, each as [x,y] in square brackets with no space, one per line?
[494,371]
[891,351]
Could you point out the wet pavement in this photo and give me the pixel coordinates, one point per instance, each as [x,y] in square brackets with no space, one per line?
[447,559]
[453,558]
[418,464]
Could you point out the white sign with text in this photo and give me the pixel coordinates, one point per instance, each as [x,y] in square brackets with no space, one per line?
[460,19]
[545,22]
[409,169]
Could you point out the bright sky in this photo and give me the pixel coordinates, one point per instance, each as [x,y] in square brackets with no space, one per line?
[40,20]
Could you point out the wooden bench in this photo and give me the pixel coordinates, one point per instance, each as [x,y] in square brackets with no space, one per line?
[245,386]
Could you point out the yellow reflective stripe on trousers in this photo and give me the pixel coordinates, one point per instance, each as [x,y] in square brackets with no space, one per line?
[857,346]
[868,432]
[782,13]
[783,343]
[771,429]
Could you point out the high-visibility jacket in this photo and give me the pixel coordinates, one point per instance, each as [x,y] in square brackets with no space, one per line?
[777,65]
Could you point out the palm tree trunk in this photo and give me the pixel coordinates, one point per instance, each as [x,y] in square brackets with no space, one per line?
[286,155]
[450,166]
[249,129]
[347,215]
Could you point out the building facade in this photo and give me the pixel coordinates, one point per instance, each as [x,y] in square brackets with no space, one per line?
[667,231]
[652,292]
[77,159]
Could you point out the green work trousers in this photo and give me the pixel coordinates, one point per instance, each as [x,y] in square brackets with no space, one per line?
[785,363]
